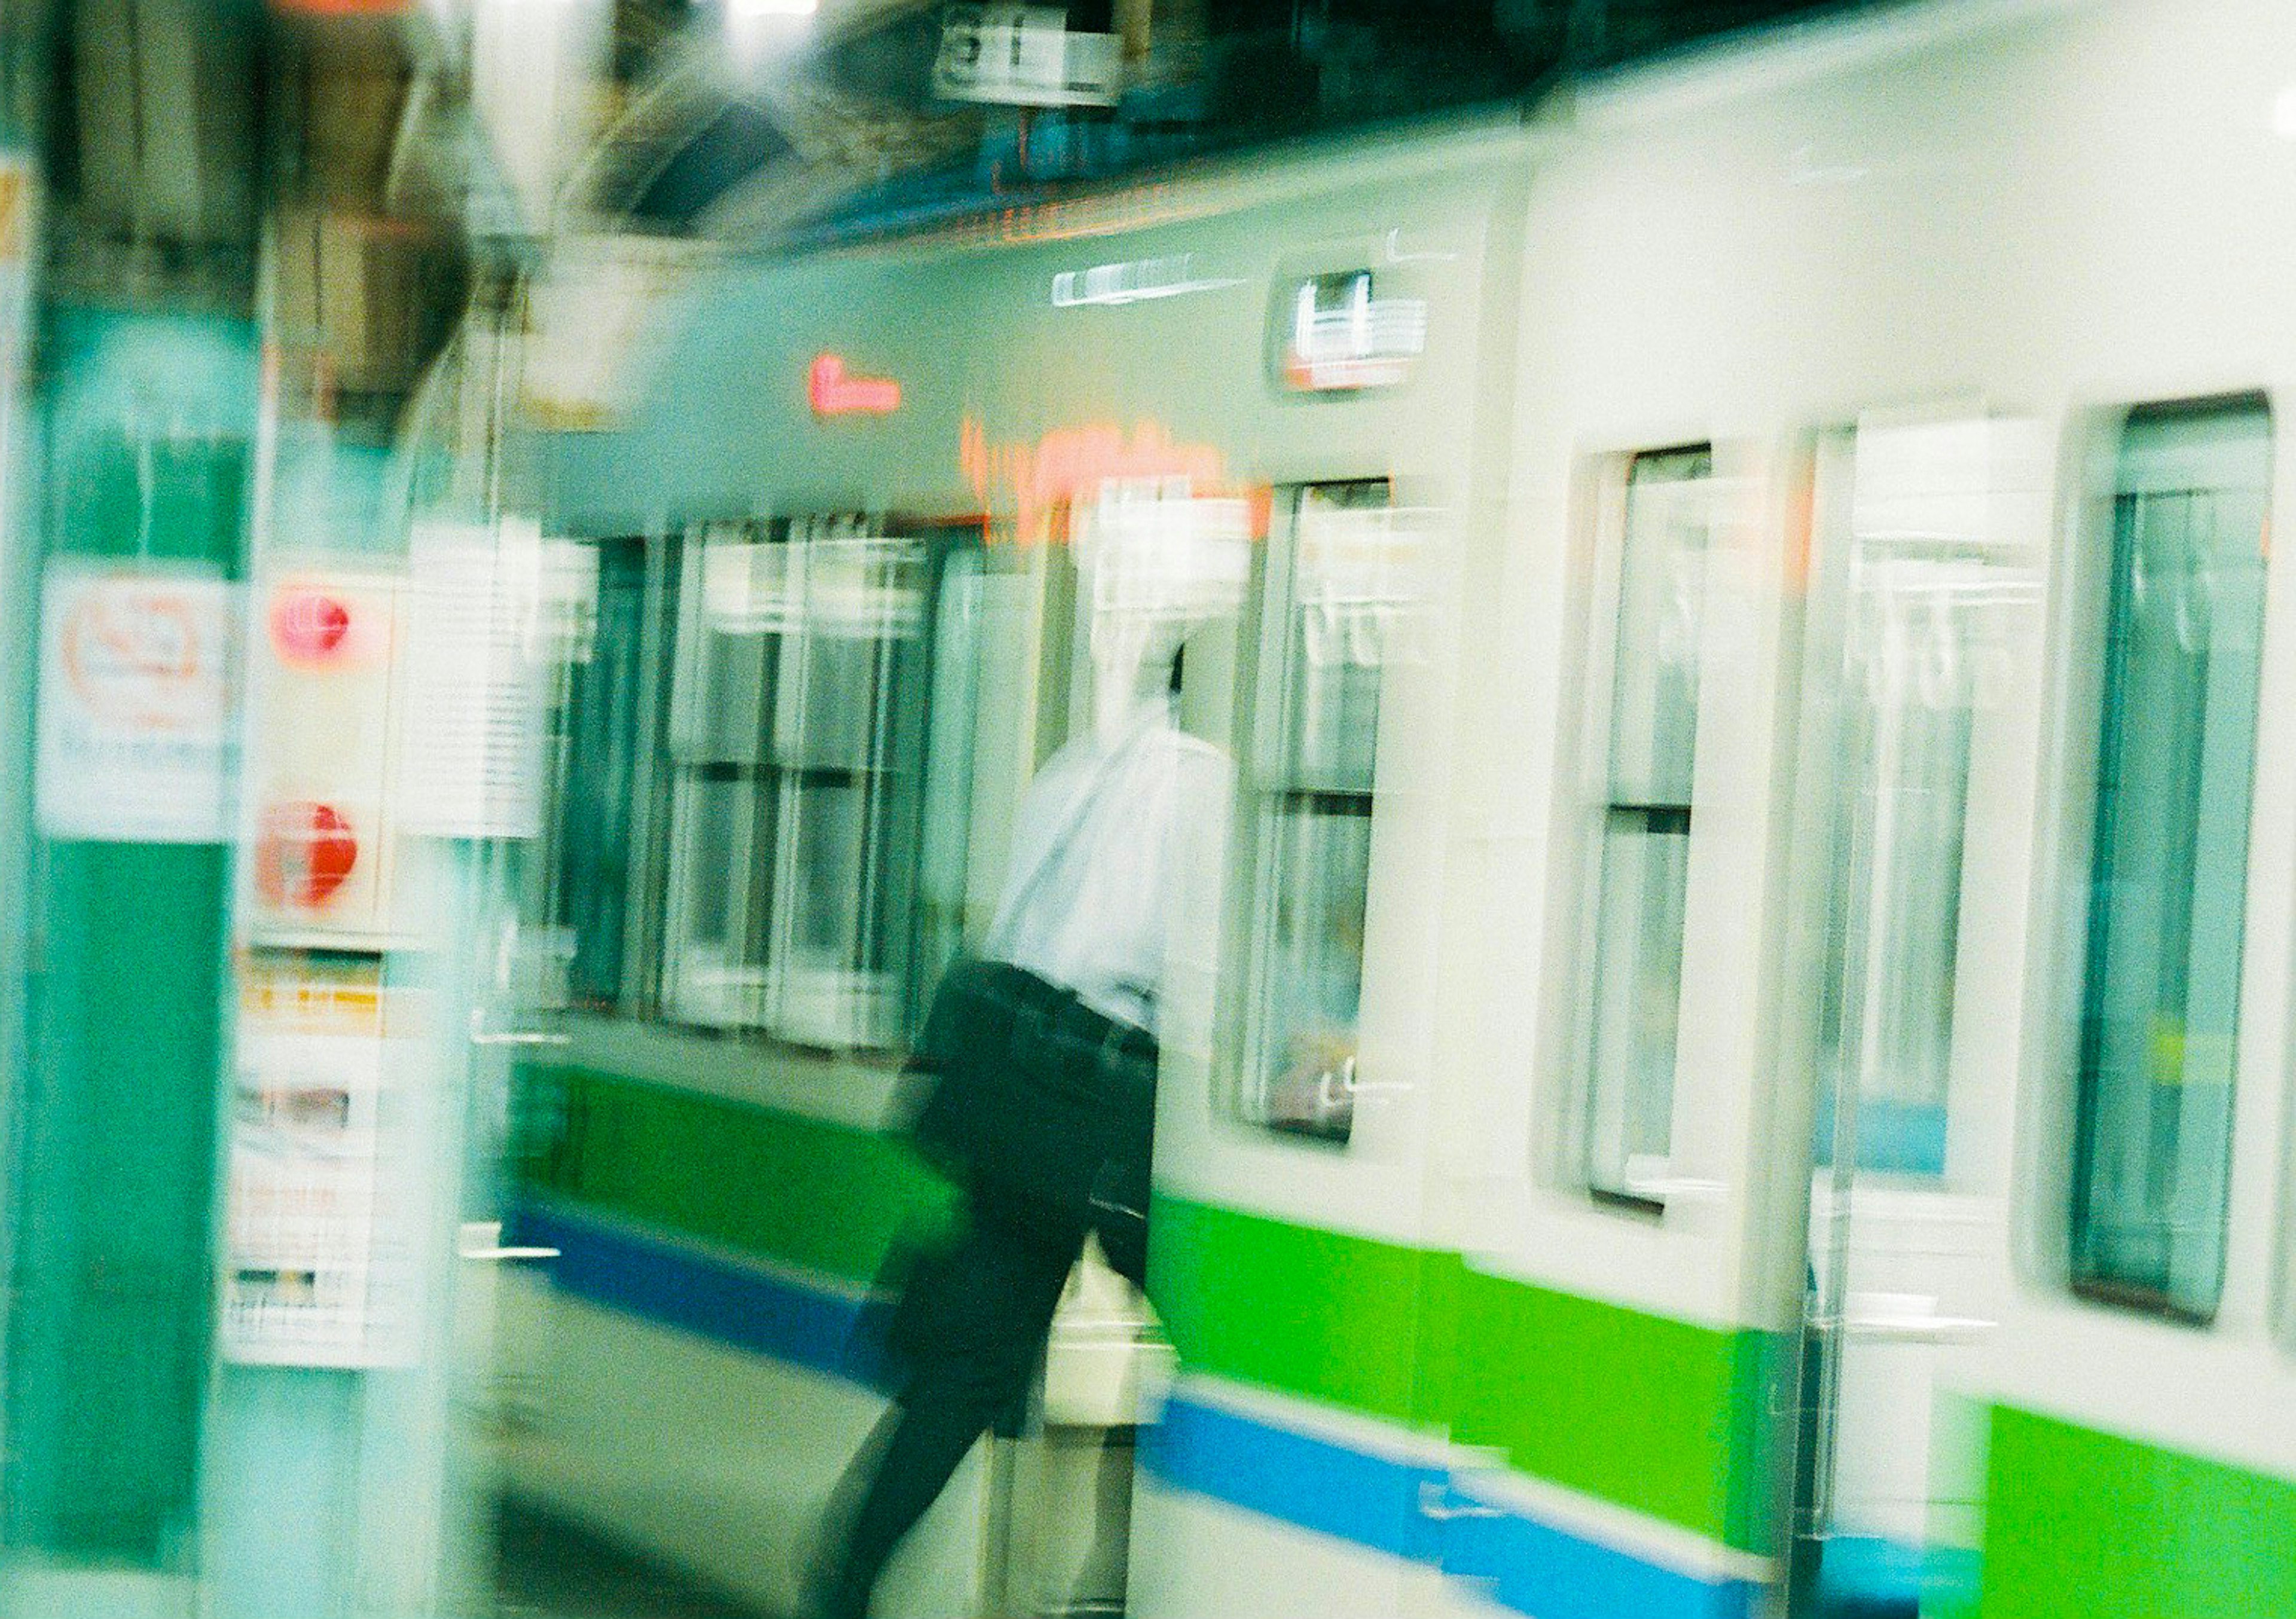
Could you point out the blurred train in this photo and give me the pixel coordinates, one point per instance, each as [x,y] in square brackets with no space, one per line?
[1743,610]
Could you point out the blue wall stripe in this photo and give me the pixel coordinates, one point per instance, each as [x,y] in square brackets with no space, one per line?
[1372,1502]
[677,1286]
[1893,1137]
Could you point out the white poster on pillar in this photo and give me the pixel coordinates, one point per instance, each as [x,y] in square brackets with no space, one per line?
[317,1267]
[138,668]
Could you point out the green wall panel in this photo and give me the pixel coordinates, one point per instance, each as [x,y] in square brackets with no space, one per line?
[109,1344]
[824,1197]
[2081,1524]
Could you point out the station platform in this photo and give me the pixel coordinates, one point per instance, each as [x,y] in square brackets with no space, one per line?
[548,1568]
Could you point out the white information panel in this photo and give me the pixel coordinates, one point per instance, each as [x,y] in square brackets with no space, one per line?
[137,672]
[312,1278]
[321,852]
[471,759]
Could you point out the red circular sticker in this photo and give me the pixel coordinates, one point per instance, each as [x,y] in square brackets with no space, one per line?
[308,625]
[303,852]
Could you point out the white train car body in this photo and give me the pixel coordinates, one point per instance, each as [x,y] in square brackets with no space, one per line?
[1770,468]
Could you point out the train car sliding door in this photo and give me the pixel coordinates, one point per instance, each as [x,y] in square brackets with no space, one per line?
[1919,740]
[1616,1317]
[1291,1261]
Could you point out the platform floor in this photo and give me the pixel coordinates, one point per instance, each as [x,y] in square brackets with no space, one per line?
[546,1568]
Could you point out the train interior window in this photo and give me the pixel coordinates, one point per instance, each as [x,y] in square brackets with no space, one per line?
[961,611]
[2176,756]
[599,742]
[1888,1014]
[800,714]
[1334,598]
[1927,615]
[1633,991]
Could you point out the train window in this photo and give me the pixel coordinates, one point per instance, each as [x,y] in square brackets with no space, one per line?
[2176,756]
[799,874]
[599,742]
[1634,959]
[1921,595]
[1333,603]
[1888,1014]
[957,653]
[1924,614]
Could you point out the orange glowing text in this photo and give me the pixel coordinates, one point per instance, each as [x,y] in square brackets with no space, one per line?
[1068,463]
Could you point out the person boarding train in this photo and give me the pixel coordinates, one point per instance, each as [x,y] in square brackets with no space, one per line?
[1045,1052]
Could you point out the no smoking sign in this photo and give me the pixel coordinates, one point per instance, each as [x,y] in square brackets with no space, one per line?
[136,671]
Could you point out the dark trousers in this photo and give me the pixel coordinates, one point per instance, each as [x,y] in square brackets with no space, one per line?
[973,1319]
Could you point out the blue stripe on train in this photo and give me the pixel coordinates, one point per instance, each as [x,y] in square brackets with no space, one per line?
[1353,1495]
[1376,1502]
[1373,1501]
[666,1281]
[1536,1568]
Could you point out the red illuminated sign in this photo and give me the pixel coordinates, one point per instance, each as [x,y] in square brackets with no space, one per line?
[832,391]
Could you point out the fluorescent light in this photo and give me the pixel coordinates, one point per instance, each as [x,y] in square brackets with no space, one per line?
[760,31]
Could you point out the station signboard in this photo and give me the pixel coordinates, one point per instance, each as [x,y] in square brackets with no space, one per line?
[1024,56]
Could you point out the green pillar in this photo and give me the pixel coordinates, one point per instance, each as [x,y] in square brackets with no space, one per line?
[113,1161]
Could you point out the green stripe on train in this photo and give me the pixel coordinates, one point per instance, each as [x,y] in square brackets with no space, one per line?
[1657,1415]
[824,1197]
[1663,1416]
[2083,1524]
[1295,1308]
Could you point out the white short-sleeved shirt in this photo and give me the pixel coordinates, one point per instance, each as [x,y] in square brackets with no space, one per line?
[1092,903]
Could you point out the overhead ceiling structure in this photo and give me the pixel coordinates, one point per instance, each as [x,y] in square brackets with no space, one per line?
[721,118]
[735,125]
[352,156]
[236,157]
[805,109]
[840,117]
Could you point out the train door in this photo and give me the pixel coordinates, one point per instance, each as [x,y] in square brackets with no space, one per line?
[1290,1473]
[1608,1342]
[1919,738]
[1141,606]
